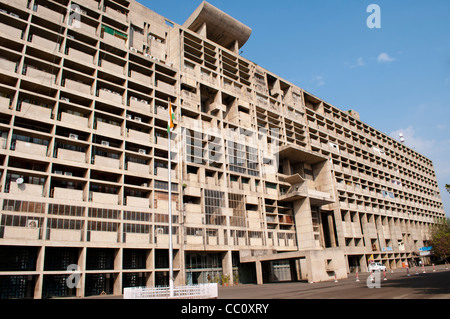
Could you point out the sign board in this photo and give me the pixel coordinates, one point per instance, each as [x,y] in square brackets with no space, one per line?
[425,248]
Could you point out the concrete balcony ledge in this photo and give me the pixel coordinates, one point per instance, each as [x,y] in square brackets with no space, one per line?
[107,162]
[110,96]
[75,120]
[137,202]
[104,198]
[138,168]
[140,106]
[81,56]
[193,208]
[139,136]
[48,14]
[10,31]
[66,235]
[136,238]
[7,65]
[109,129]
[77,86]
[23,233]
[5,104]
[31,148]
[35,111]
[70,155]
[26,190]
[70,194]
[103,236]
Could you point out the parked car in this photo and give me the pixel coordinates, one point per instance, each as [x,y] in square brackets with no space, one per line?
[376,267]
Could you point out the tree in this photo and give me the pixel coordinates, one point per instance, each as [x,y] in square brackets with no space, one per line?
[440,239]
[447,187]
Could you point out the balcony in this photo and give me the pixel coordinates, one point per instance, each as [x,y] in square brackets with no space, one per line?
[107,162]
[31,148]
[11,31]
[77,86]
[5,105]
[140,106]
[104,198]
[112,67]
[81,56]
[75,120]
[163,173]
[40,76]
[116,15]
[50,15]
[114,41]
[45,43]
[70,155]
[22,233]
[109,129]
[137,202]
[139,136]
[68,194]
[65,235]
[194,214]
[26,190]
[138,168]
[138,76]
[103,236]
[35,111]
[110,96]
[8,65]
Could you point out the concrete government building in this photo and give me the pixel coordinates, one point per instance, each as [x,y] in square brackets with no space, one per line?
[269,182]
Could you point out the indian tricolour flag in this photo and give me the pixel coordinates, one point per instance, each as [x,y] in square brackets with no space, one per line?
[170,124]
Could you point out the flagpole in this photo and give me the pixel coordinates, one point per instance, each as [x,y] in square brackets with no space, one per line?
[171,286]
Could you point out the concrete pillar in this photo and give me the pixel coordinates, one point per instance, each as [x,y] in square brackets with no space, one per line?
[82,267]
[303,220]
[227,266]
[118,260]
[150,264]
[39,269]
[331,229]
[259,274]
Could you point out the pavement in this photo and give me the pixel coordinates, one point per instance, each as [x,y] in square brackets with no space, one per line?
[398,285]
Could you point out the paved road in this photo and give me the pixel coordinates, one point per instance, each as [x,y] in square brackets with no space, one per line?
[429,285]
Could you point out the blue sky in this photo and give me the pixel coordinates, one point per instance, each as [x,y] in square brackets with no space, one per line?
[397,77]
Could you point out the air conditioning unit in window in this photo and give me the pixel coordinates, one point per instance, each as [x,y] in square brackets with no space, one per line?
[144,185]
[59,172]
[68,173]
[32,223]
[159,231]
[73,136]
[129,116]
[142,151]
[138,119]
[105,143]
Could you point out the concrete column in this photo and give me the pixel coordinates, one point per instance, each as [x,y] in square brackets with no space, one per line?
[227,266]
[259,274]
[39,269]
[303,220]
[82,267]
[331,229]
[118,260]
[150,264]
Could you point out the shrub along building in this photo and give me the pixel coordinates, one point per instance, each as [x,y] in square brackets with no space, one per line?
[269,182]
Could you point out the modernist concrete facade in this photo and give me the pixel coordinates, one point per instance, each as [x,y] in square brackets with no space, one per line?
[270,183]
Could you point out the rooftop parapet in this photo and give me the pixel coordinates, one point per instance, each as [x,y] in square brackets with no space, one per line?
[218,27]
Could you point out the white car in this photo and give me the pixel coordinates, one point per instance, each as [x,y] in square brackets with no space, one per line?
[376,267]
